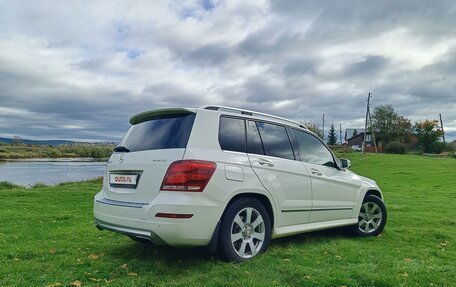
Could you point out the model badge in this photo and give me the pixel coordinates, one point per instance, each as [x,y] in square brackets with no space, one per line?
[121,159]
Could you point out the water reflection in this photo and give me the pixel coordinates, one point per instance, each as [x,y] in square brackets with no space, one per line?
[28,173]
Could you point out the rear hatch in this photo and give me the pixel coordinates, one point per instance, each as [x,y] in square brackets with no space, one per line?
[136,169]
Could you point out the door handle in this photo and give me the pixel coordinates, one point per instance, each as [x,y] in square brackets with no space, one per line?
[266,162]
[316,172]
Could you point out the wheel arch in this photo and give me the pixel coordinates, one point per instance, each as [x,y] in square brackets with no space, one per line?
[267,202]
[362,195]
[374,192]
[260,197]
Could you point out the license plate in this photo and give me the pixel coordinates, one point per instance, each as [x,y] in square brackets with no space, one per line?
[126,180]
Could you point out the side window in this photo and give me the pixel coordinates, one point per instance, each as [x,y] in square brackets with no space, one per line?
[232,134]
[312,150]
[254,144]
[275,140]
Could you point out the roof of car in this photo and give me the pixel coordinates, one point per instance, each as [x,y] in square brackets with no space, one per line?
[150,114]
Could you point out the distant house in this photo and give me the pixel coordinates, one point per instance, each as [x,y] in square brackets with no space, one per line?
[358,140]
[349,133]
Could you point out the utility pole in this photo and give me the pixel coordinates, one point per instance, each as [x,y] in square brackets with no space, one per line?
[441,126]
[340,133]
[368,118]
[365,123]
[373,132]
[323,128]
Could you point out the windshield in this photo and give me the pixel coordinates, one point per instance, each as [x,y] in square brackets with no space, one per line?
[165,132]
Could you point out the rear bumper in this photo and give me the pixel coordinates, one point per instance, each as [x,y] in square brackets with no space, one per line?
[139,221]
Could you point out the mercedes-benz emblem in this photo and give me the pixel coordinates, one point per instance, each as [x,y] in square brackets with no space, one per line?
[121,159]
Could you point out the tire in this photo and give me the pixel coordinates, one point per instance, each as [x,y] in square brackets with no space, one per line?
[245,230]
[372,217]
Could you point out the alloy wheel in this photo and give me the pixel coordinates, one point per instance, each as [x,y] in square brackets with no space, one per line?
[370,217]
[247,232]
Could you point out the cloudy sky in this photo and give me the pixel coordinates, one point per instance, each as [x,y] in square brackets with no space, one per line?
[79,69]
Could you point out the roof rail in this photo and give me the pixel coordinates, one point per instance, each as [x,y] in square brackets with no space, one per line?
[249,113]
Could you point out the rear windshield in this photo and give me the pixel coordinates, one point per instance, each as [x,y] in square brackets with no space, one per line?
[159,133]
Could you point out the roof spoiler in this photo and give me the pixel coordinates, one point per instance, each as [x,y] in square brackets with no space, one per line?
[152,114]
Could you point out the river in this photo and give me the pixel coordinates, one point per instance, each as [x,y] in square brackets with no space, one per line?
[50,172]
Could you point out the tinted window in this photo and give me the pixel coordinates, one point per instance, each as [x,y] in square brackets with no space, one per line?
[160,133]
[312,149]
[232,134]
[254,144]
[275,140]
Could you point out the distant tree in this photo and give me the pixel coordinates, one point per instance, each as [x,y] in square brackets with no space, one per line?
[355,133]
[332,136]
[428,133]
[384,118]
[313,127]
[389,126]
[17,140]
[451,146]
[404,130]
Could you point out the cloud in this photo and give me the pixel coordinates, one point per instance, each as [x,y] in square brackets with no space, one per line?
[80,70]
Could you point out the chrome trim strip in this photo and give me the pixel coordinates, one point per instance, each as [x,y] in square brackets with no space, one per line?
[143,234]
[250,113]
[295,210]
[122,203]
[316,209]
[123,230]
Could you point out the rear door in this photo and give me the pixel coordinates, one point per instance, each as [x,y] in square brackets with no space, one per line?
[333,189]
[272,158]
[136,169]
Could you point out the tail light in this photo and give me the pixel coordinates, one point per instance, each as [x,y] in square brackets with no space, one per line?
[188,175]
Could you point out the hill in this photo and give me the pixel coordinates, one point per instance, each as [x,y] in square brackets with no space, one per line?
[37,142]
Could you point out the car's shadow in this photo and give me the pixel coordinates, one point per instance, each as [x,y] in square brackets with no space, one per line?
[171,256]
[149,252]
[315,236]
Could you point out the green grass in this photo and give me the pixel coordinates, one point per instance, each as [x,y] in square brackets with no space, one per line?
[47,238]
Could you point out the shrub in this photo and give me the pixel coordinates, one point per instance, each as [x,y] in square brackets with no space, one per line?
[7,185]
[396,147]
[39,185]
[449,146]
[52,153]
[435,147]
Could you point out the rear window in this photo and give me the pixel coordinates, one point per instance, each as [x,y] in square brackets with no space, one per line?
[159,133]
[232,134]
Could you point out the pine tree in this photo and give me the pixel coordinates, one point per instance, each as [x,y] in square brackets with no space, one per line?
[355,133]
[332,136]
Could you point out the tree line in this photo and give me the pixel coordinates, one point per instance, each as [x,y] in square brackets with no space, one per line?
[395,132]
[398,135]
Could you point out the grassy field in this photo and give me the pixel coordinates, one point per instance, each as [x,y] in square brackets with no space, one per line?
[10,151]
[47,239]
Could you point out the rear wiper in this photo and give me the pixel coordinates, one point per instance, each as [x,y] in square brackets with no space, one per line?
[121,149]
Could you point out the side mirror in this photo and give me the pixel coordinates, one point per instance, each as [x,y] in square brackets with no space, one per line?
[345,163]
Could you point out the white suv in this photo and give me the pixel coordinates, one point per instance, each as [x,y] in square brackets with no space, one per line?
[229,179]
